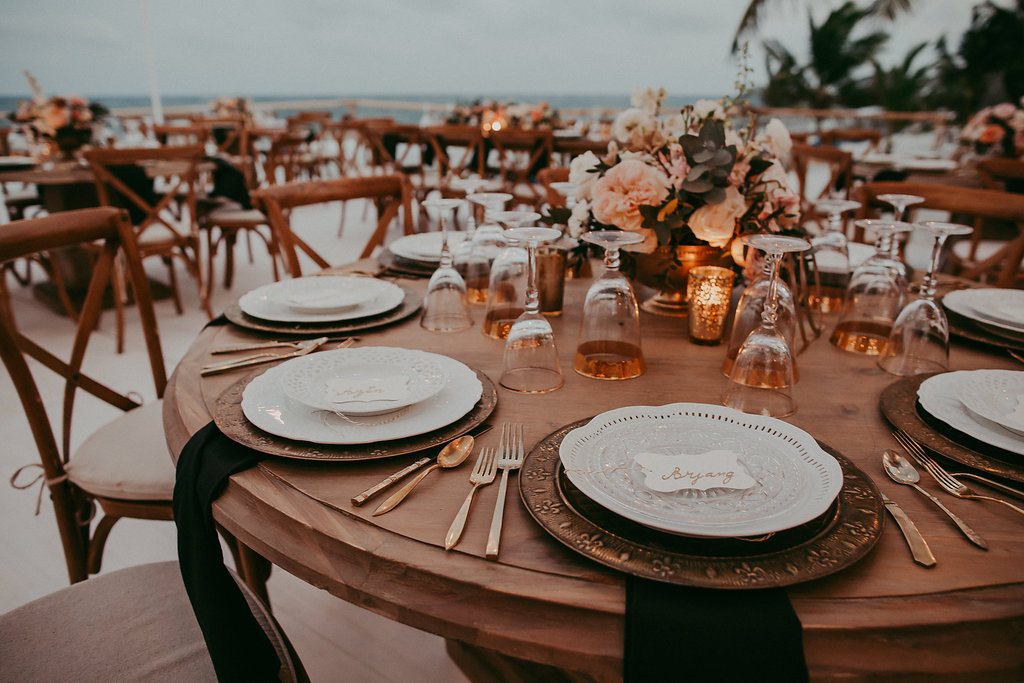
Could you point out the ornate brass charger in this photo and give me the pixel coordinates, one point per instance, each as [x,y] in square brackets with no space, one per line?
[962,326]
[840,537]
[397,264]
[409,306]
[232,422]
[900,407]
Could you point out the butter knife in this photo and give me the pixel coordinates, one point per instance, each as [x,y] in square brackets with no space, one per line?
[308,347]
[918,546]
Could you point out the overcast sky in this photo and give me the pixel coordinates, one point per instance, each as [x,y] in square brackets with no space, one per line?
[364,47]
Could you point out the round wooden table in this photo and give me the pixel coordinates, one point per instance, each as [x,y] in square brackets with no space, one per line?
[543,605]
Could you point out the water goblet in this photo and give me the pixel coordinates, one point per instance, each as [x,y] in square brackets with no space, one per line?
[832,256]
[762,376]
[900,203]
[530,363]
[919,341]
[609,342]
[486,244]
[507,281]
[444,305]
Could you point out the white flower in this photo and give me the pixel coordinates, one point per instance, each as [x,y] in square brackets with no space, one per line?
[776,139]
[647,99]
[704,108]
[580,175]
[674,126]
[715,223]
[579,218]
[633,121]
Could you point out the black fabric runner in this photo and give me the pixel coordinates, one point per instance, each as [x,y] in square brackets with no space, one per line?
[682,633]
[238,646]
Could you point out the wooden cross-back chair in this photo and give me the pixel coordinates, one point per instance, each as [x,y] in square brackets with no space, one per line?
[836,136]
[975,206]
[520,154]
[177,135]
[225,131]
[123,467]
[126,178]
[837,162]
[391,193]
[459,150]
[553,174]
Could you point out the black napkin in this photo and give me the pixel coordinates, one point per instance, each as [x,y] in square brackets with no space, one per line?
[238,646]
[680,632]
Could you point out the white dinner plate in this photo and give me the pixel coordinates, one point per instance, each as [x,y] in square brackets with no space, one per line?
[265,404]
[910,163]
[327,294]
[271,302]
[1001,309]
[366,381]
[996,396]
[939,396]
[795,479]
[424,246]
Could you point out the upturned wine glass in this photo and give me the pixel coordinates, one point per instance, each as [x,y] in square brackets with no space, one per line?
[832,256]
[609,342]
[530,363]
[487,242]
[762,376]
[507,281]
[919,341]
[444,305]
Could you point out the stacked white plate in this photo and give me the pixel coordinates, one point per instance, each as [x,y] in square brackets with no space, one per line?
[321,299]
[424,247]
[1000,311]
[793,479]
[361,395]
[987,405]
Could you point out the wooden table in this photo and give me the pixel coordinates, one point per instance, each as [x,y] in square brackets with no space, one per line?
[542,604]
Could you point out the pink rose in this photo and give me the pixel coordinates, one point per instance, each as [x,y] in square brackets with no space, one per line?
[619,193]
[55,116]
[715,223]
[1003,111]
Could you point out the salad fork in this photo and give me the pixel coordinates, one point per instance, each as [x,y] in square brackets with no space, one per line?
[483,474]
[948,482]
[511,447]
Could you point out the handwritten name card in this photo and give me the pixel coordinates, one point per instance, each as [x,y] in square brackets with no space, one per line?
[702,471]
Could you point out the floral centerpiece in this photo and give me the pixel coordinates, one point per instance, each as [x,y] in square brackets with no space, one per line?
[494,115]
[998,129]
[230,107]
[688,181]
[66,121]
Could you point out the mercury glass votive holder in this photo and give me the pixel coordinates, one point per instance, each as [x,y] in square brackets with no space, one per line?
[708,292]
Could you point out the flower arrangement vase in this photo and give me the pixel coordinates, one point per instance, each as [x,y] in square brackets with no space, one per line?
[667,270]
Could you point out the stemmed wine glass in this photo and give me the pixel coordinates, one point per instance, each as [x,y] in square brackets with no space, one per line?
[762,375]
[919,341]
[507,280]
[484,246]
[832,255]
[530,364]
[444,305]
[609,341]
[900,203]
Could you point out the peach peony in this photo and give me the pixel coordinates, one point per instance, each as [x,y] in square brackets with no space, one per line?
[715,223]
[619,193]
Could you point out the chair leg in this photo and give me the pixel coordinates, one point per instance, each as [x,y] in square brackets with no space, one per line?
[230,239]
[173,281]
[94,559]
[255,570]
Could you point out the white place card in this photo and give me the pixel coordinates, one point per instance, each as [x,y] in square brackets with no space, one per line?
[703,471]
[380,388]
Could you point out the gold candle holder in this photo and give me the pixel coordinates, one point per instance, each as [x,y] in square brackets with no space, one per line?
[708,292]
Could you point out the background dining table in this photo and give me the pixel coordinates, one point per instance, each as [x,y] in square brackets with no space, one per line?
[541,606]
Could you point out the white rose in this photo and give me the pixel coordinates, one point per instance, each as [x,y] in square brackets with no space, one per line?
[630,121]
[580,175]
[715,223]
[647,99]
[776,139]
[704,108]
[579,218]
[674,126]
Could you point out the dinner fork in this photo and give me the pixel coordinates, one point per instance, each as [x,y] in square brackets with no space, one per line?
[482,475]
[511,447]
[948,482]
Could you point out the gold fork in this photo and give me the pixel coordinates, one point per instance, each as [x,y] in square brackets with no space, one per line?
[947,481]
[511,447]
[483,474]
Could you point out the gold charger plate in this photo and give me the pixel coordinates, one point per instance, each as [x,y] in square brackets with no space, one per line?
[962,326]
[410,305]
[832,542]
[232,422]
[899,406]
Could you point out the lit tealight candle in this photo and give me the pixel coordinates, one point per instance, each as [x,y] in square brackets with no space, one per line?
[708,292]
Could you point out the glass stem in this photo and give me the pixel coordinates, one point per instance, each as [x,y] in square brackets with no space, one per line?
[611,259]
[929,282]
[771,302]
[446,254]
[532,294]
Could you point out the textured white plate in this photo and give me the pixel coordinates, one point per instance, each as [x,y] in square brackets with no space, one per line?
[346,380]
[265,404]
[269,302]
[424,246]
[997,396]
[940,397]
[999,308]
[326,294]
[796,479]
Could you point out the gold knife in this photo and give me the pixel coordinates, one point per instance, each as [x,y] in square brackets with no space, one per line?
[918,546]
[307,347]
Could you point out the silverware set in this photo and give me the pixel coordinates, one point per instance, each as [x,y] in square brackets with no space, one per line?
[902,471]
[301,348]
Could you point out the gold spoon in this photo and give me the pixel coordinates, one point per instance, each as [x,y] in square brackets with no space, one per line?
[901,471]
[451,455]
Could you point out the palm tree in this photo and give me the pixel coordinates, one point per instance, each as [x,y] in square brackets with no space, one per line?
[902,88]
[888,9]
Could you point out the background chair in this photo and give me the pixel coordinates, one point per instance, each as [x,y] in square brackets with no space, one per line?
[811,161]
[978,207]
[123,467]
[519,155]
[392,193]
[866,140]
[132,624]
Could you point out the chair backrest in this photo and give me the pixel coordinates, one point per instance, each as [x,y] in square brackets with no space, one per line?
[112,229]
[546,176]
[836,136]
[459,149]
[970,204]
[836,162]
[288,157]
[177,135]
[520,154]
[125,178]
[999,173]
[391,193]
